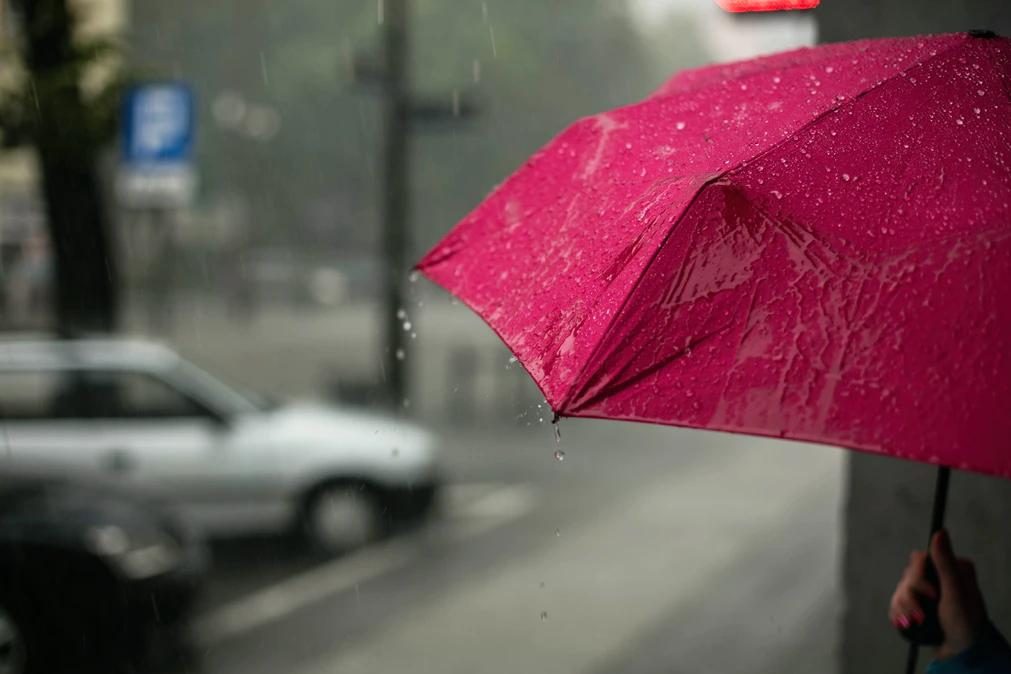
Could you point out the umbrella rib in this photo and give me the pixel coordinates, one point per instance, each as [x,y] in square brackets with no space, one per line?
[578,381]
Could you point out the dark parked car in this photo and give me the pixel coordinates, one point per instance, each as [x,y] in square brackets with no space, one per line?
[92,579]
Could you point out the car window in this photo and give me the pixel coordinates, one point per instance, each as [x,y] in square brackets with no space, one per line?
[133,395]
[30,394]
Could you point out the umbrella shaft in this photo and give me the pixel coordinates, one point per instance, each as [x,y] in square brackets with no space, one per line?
[936,522]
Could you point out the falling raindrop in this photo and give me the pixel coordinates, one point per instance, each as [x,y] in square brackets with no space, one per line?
[559,455]
[400,354]
[544,615]
[413,276]
[407,326]
[401,313]
[558,533]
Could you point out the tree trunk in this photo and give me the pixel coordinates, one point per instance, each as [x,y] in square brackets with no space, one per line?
[86,289]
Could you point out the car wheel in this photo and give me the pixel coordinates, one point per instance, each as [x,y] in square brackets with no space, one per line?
[341,516]
[13,648]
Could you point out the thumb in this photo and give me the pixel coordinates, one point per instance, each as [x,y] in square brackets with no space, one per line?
[943,557]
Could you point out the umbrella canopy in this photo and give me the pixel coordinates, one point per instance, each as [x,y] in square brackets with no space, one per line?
[814,245]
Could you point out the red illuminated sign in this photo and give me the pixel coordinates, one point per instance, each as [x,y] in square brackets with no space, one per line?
[765,5]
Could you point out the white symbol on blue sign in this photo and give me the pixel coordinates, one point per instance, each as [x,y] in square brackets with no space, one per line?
[157,142]
[158,123]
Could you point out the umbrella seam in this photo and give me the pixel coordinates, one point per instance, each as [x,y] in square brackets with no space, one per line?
[848,102]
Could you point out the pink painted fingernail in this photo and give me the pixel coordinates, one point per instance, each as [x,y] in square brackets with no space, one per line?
[904,622]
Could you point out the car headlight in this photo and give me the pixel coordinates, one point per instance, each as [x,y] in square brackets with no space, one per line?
[137,555]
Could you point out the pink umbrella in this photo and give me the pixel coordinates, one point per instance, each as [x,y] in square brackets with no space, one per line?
[814,245]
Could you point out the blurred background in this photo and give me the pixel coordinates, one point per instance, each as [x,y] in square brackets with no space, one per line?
[327,464]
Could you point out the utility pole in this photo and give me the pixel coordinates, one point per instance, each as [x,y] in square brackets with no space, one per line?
[404,112]
[394,193]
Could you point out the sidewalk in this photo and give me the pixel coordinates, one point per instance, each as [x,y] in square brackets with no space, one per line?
[733,557]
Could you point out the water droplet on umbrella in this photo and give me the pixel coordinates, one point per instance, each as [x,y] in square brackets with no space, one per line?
[976,110]
[960,121]
[981,92]
[559,455]
[680,126]
[846,177]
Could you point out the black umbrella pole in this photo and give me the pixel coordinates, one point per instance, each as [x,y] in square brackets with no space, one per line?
[936,523]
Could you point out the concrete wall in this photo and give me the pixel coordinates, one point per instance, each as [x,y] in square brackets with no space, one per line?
[888,501]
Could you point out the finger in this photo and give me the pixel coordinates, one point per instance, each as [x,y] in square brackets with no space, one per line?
[924,588]
[914,578]
[905,610]
[968,570]
[917,565]
[943,556]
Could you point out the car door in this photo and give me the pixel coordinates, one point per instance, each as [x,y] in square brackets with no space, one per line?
[163,441]
[43,426]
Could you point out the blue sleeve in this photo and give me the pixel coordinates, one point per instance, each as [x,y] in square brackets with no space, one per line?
[990,655]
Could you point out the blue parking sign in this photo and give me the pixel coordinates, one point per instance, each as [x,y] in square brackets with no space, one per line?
[157,145]
[158,124]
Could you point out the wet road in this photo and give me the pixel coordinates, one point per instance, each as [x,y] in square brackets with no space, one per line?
[644,550]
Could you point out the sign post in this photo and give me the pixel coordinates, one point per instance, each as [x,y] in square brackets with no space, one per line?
[156,179]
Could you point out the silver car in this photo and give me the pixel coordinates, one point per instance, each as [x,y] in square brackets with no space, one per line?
[229,461]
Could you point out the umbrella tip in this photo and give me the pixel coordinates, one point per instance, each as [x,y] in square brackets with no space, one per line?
[982,32]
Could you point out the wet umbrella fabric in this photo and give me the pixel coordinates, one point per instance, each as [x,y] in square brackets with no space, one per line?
[814,245]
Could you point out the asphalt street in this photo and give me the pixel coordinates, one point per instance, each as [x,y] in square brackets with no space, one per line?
[643,550]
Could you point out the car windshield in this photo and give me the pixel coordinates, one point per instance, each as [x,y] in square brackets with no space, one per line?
[216,394]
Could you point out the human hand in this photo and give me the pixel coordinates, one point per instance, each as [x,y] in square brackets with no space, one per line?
[960,609]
